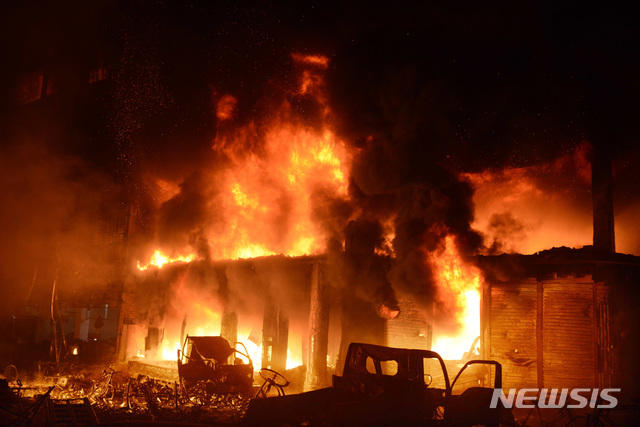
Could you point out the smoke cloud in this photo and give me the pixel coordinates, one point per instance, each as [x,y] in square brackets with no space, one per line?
[54,211]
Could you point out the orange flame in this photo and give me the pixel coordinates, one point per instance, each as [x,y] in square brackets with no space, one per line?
[159,259]
[459,292]
[274,183]
[269,199]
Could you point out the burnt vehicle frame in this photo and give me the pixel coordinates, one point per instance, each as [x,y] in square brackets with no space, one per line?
[210,372]
[383,386]
[209,365]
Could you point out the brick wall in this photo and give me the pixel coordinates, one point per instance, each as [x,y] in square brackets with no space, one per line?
[410,329]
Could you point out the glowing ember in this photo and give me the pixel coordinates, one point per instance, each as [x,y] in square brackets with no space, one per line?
[459,292]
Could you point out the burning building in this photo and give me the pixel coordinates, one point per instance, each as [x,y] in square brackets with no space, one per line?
[194,171]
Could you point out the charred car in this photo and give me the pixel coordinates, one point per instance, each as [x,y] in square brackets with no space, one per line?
[383,386]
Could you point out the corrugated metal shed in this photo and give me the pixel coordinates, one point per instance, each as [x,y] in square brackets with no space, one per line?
[510,317]
[547,333]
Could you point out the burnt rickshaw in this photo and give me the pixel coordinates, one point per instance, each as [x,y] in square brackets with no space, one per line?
[210,373]
[210,368]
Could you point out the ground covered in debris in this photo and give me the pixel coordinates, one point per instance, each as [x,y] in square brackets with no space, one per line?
[112,394]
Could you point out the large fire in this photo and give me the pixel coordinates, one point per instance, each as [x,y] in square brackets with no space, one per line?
[268,196]
[266,193]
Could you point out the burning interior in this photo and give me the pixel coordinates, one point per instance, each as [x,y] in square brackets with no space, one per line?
[297,199]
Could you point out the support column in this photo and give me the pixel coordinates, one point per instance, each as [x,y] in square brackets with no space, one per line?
[318,332]
[275,338]
[229,329]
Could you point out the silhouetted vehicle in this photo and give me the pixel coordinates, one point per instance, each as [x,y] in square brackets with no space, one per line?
[383,386]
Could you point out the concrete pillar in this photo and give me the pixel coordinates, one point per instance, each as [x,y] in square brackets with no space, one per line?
[318,332]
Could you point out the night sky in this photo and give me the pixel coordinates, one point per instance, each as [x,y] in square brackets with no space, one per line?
[517,82]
